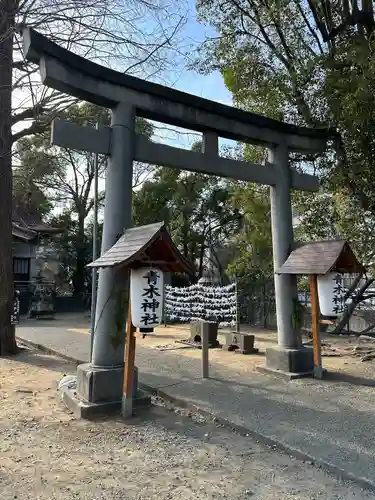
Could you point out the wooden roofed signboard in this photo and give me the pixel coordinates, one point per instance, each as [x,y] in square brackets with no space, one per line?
[145,245]
[324,262]
[148,251]
[321,257]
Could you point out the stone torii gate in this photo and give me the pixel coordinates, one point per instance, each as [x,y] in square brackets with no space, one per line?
[128,97]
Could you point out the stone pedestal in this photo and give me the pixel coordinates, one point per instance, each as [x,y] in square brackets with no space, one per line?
[242,342]
[212,331]
[99,391]
[97,384]
[289,362]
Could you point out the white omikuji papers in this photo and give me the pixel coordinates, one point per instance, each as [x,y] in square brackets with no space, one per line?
[202,303]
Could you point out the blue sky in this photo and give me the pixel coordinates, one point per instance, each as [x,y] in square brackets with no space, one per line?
[208,86]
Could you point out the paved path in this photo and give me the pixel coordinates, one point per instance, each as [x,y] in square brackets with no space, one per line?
[331,422]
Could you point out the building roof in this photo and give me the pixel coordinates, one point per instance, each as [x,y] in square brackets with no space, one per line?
[145,245]
[321,257]
[27,225]
[23,233]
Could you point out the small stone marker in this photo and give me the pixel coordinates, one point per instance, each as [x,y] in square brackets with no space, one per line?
[243,342]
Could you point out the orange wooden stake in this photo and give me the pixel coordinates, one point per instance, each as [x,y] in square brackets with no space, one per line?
[315,314]
[127,400]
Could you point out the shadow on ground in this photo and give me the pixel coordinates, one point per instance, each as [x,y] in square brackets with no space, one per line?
[349,379]
[34,358]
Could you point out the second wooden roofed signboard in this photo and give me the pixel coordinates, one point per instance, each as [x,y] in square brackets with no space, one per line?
[324,262]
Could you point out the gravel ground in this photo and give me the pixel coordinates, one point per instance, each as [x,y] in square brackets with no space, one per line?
[163,454]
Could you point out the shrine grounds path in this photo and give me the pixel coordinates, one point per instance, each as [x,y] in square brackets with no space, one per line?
[163,453]
[329,423]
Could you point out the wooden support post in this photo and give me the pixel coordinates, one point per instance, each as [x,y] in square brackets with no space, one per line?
[237,309]
[204,341]
[127,398]
[315,314]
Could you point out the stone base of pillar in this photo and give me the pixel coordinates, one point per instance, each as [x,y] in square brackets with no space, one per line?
[85,410]
[96,384]
[289,363]
[99,391]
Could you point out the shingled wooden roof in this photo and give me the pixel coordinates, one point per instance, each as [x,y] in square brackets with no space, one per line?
[321,257]
[145,245]
[27,223]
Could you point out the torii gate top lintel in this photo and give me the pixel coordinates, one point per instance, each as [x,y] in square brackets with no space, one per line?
[67,72]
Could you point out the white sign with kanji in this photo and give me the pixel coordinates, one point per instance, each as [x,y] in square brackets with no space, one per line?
[146,296]
[331,294]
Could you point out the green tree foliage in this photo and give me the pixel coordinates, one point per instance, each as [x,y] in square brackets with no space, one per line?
[251,257]
[196,207]
[30,197]
[253,241]
[308,63]
[336,215]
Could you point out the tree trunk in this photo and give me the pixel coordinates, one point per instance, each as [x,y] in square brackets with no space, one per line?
[201,260]
[185,235]
[357,299]
[7,332]
[79,274]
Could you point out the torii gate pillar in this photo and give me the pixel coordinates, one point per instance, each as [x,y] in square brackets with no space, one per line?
[101,380]
[289,356]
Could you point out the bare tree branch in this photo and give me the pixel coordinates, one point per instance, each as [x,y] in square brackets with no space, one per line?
[129,36]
